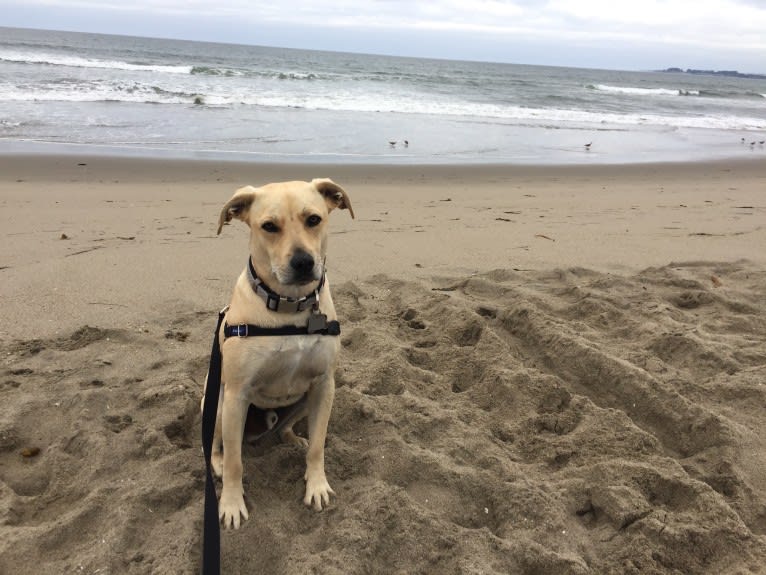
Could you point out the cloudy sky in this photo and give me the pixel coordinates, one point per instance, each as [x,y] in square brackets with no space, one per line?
[618,34]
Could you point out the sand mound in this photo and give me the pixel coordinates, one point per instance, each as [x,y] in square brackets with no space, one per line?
[510,422]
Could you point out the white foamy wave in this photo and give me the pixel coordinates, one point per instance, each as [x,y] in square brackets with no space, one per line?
[644,91]
[513,114]
[78,62]
[361,101]
[212,71]
[296,75]
[95,92]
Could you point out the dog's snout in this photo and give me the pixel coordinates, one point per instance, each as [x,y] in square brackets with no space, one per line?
[302,264]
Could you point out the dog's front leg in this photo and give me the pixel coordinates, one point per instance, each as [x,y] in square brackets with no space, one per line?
[320,400]
[232,503]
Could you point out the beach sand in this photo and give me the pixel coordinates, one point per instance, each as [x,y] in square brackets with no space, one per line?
[544,370]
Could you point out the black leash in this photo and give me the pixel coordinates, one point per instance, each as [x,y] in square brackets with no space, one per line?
[211,544]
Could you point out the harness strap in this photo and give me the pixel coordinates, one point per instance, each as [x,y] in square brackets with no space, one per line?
[250,330]
[211,544]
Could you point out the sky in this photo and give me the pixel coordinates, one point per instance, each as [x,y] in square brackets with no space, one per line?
[612,34]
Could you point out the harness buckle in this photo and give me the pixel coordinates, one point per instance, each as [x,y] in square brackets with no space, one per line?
[242,330]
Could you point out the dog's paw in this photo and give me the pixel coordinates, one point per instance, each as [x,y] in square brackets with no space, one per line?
[288,436]
[318,492]
[231,508]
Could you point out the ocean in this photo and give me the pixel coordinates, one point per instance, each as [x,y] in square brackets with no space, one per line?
[62,91]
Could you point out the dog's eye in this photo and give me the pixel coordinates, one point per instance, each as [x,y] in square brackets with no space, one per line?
[313,220]
[270,227]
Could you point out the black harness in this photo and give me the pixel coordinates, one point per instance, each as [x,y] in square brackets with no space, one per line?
[321,327]
[317,325]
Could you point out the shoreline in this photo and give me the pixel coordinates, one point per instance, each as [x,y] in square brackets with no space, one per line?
[58,163]
[504,144]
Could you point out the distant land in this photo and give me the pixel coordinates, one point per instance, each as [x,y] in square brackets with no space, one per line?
[730,73]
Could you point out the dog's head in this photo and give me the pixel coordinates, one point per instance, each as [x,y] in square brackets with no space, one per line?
[288,230]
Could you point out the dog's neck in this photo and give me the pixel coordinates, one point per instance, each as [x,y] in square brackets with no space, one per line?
[280,303]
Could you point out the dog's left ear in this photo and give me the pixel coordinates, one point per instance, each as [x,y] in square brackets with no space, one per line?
[237,207]
[334,195]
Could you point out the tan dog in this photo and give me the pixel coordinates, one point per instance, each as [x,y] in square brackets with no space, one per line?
[288,242]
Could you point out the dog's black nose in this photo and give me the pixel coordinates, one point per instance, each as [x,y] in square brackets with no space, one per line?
[303,265]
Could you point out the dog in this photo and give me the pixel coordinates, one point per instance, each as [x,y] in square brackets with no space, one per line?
[284,286]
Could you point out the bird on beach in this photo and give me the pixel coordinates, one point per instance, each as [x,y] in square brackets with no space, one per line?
[407,144]
[392,144]
[588,145]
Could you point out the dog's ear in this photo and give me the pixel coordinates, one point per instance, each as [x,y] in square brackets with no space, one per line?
[334,195]
[237,207]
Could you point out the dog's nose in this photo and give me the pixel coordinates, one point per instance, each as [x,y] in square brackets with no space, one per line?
[303,264]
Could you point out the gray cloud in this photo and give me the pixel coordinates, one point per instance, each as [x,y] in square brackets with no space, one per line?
[598,33]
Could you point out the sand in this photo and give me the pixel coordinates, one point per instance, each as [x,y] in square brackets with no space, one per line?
[544,370]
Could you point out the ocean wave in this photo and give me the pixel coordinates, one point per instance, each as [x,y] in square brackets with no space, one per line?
[67,91]
[642,91]
[731,95]
[79,62]
[212,71]
[297,76]
[268,74]
[560,112]
[513,114]
[703,93]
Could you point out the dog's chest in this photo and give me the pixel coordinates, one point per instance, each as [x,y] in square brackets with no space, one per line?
[278,371]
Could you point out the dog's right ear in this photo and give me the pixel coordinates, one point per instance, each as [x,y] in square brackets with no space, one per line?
[238,206]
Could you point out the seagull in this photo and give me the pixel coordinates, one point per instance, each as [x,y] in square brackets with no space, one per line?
[392,144]
[406,143]
[762,142]
[588,145]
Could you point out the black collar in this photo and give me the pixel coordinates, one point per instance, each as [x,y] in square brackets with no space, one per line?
[278,303]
